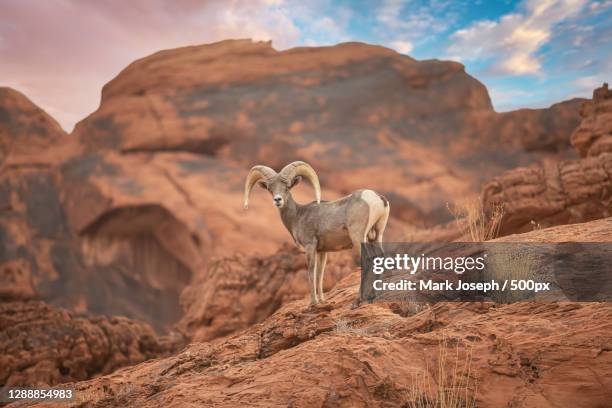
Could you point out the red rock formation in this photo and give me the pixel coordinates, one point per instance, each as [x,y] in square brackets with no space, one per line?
[123,215]
[237,292]
[564,192]
[28,136]
[594,134]
[379,355]
[570,191]
[43,252]
[42,345]
[544,130]
[351,110]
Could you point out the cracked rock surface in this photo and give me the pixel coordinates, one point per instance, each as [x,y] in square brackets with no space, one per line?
[524,354]
[41,345]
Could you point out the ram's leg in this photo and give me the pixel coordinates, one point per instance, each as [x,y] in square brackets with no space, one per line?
[311,260]
[322,259]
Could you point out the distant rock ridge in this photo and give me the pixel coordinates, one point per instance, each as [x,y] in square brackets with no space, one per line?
[28,135]
[564,192]
[594,134]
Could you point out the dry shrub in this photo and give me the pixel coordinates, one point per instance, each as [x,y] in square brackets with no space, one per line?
[504,263]
[474,222]
[452,387]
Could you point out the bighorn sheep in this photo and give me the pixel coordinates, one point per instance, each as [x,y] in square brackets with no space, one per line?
[321,226]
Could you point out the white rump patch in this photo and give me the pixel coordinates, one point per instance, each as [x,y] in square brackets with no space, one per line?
[377,209]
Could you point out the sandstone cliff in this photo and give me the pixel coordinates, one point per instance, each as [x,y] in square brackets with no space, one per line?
[563,192]
[354,111]
[594,134]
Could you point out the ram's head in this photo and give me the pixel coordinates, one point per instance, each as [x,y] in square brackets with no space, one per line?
[279,184]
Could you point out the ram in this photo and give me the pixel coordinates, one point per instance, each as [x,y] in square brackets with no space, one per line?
[320,227]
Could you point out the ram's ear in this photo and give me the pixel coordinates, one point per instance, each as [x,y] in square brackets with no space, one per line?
[262,184]
[296,180]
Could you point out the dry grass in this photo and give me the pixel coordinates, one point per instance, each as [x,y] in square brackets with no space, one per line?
[452,387]
[506,263]
[474,222]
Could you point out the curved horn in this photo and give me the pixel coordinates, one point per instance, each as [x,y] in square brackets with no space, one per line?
[257,173]
[300,168]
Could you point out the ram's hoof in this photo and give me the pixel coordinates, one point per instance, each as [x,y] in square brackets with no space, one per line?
[356,303]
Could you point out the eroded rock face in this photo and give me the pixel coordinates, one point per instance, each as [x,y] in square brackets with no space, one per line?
[562,192]
[64,241]
[28,135]
[239,291]
[354,111]
[570,191]
[594,135]
[43,345]
[544,130]
[523,354]
[124,214]
[114,234]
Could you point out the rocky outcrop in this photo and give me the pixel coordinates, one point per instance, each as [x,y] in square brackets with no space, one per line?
[540,196]
[568,191]
[42,345]
[239,291]
[594,135]
[114,234]
[46,198]
[593,231]
[352,110]
[28,136]
[544,130]
[385,355]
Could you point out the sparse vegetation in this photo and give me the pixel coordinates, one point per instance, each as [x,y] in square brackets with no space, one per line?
[452,386]
[506,263]
[475,222]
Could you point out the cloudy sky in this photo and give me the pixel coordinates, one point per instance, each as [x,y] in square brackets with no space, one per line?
[529,53]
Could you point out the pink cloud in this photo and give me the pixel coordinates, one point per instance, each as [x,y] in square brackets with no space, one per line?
[60,53]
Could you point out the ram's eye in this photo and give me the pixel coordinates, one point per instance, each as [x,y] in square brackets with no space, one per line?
[263,185]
